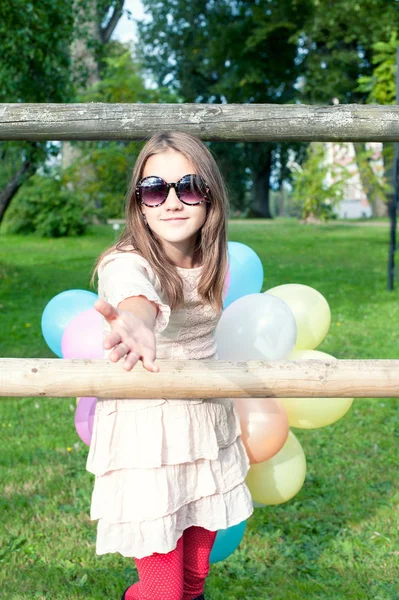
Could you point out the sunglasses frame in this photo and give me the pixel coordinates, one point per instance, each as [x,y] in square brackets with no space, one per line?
[168,186]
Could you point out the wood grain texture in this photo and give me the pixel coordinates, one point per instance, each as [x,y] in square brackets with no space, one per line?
[224,122]
[201,379]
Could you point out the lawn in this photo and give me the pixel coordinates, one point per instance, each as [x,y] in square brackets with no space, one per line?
[337,539]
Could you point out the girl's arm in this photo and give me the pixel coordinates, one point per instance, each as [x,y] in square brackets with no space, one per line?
[132,331]
[141,307]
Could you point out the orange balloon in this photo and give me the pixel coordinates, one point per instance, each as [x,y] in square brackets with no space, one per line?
[264,427]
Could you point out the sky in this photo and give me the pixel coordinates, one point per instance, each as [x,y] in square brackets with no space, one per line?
[126,29]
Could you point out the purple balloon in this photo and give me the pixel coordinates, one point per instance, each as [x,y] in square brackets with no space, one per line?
[84,418]
[83,336]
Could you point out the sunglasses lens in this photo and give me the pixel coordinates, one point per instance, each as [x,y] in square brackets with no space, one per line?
[192,189]
[152,191]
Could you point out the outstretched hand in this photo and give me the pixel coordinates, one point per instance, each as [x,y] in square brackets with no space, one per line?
[129,337]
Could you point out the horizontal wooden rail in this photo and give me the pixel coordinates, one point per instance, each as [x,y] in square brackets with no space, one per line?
[201,379]
[225,122]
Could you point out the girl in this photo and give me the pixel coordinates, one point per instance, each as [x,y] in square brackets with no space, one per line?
[169,473]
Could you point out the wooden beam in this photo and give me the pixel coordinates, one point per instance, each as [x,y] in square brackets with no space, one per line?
[224,122]
[201,379]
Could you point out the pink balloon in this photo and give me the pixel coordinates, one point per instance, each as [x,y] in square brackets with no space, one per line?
[83,336]
[84,418]
[226,284]
[264,426]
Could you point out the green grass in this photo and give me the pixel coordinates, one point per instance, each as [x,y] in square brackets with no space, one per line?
[337,539]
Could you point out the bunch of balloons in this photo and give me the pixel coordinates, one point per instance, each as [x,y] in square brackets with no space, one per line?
[72,328]
[285,322]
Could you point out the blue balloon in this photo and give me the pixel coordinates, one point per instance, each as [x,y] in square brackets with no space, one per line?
[246,272]
[227,540]
[60,311]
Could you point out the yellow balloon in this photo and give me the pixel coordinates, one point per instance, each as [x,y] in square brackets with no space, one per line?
[311,311]
[312,413]
[280,478]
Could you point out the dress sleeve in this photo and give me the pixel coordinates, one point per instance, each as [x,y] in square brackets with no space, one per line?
[125,274]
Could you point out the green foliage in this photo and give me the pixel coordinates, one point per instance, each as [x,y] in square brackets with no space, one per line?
[317,187]
[381,85]
[35,39]
[251,58]
[375,185]
[102,175]
[337,46]
[47,207]
[103,170]
[122,79]
[34,47]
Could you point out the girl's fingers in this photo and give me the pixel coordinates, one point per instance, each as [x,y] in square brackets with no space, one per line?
[119,351]
[109,312]
[132,358]
[148,361]
[112,339]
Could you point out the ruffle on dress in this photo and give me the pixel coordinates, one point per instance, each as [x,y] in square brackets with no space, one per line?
[175,466]
[138,539]
[125,437]
[168,489]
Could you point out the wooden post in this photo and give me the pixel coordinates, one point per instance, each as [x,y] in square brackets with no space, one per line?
[201,379]
[225,122]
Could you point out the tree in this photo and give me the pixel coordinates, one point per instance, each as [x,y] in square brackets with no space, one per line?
[381,84]
[37,65]
[229,51]
[317,186]
[102,172]
[34,42]
[94,23]
[338,43]
[381,88]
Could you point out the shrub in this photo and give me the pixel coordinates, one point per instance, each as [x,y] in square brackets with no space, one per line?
[45,205]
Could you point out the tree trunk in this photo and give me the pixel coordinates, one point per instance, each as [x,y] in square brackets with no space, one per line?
[260,190]
[376,199]
[9,191]
[281,201]
[83,59]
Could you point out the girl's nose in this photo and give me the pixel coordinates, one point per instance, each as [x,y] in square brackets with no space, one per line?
[172,199]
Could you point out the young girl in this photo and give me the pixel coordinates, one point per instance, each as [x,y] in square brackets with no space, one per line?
[169,473]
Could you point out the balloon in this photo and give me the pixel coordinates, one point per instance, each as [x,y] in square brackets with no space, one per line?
[83,336]
[227,284]
[84,417]
[246,272]
[281,477]
[59,311]
[264,426]
[227,540]
[311,311]
[310,413]
[255,327]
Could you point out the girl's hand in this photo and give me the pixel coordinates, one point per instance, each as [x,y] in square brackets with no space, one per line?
[129,337]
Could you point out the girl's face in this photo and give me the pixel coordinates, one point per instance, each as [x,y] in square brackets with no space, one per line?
[174,223]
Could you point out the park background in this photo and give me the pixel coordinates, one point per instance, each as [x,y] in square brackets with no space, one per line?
[338,538]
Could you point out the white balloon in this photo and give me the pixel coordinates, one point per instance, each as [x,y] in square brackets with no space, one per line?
[256,327]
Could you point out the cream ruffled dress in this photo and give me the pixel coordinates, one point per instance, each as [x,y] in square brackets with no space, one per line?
[162,465]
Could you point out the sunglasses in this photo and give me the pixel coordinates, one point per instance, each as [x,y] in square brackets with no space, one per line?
[190,189]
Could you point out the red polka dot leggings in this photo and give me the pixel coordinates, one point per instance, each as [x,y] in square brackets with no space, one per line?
[177,575]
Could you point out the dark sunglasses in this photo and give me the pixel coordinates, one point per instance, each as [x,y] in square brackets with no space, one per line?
[190,189]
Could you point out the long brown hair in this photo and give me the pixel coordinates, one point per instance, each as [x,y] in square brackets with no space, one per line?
[211,245]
